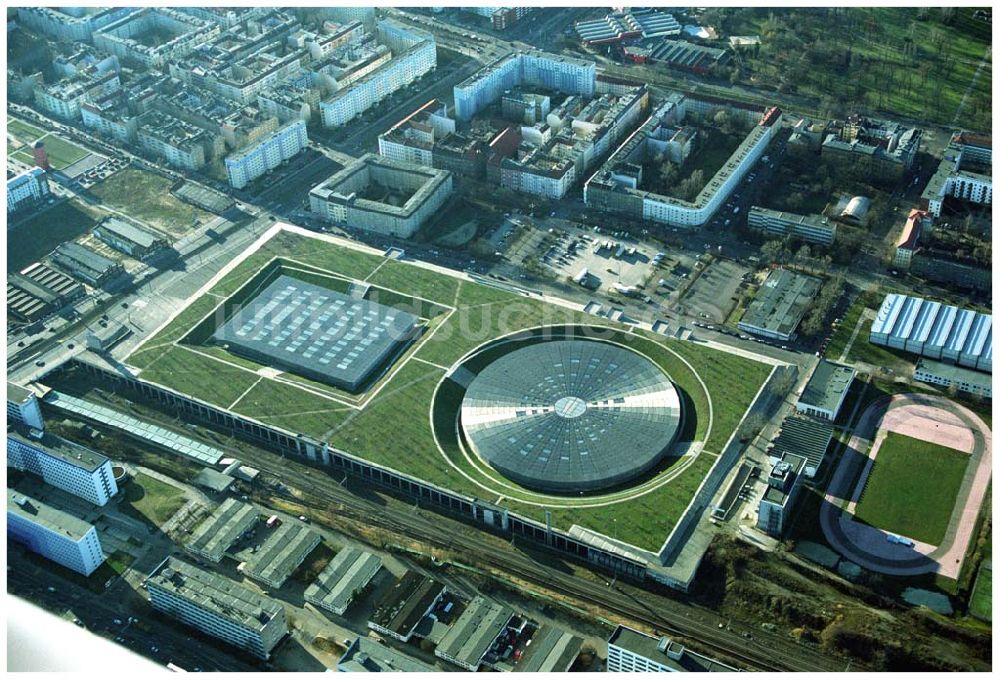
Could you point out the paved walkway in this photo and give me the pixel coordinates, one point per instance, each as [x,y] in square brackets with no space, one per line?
[866,545]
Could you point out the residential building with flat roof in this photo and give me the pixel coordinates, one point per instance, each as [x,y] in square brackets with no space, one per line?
[935,330]
[214,536]
[470,637]
[952,179]
[630,651]
[63,464]
[343,199]
[257,158]
[129,238]
[70,23]
[774,513]
[348,573]
[528,68]
[949,375]
[179,143]
[217,607]
[23,408]
[779,305]
[404,605]
[154,36]
[53,534]
[809,228]
[281,554]
[365,655]
[909,238]
[29,188]
[826,390]
[607,190]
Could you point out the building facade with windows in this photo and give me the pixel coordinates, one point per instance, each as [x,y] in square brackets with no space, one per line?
[23,408]
[630,651]
[948,376]
[63,464]
[774,513]
[217,607]
[53,534]
[249,163]
[808,228]
[27,189]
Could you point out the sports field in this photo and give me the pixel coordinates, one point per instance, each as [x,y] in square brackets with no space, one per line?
[912,488]
[391,422]
[60,152]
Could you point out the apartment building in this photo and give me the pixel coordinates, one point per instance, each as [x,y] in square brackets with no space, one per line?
[70,23]
[62,464]
[257,158]
[53,534]
[23,408]
[180,144]
[154,36]
[809,228]
[27,189]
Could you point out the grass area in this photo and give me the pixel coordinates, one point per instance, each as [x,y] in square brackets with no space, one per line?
[25,133]
[981,604]
[146,197]
[119,561]
[912,488]
[400,411]
[39,235]
[151,500]
[842,335]
[876,355]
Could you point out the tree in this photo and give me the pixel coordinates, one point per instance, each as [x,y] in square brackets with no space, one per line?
[804,254]
[772,251]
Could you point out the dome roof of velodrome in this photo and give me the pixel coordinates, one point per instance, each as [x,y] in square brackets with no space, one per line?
[571,415]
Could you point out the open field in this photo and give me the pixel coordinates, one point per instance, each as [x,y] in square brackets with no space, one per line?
[25,133]
[397,408]
[39,235]
[146,196]
[912,488]
[152,500]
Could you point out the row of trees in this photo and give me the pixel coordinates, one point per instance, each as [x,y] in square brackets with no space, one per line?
[814,322]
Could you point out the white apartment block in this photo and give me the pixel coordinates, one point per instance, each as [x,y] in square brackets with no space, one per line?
[53,534]
[106,120]
[70,23]
[951,179]
[64,98]
[63,464]
[28,188]
[551,71]
[412,139]
[809,228]
[404,68]
[250,163]
[217,606]
[23,408]
[126,38]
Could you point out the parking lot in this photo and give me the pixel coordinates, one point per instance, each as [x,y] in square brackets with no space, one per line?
[714,293]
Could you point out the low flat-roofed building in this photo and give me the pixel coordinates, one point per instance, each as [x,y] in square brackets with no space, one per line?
[282,553]
[129,238]
[552,650]
[55,282]
[213,480]
[217,606]
[225,526]
[826,390]
[780,304]
[369,656]
[949,375]
[54,534]
[348,573]
[783,485]
[809,228]
[806,437]
[471,636]
[23,408]
[354,196]
[63,464]
[86,265]
[630,651]
[404,605]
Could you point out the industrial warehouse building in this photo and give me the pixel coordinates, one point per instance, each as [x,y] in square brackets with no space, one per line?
[803,436]
[556,415]
[86,265]
[370,656]
[471,636]
[63,464]
[826,390]
[935,330]
[348,573]
[365,195]
[780,304]
[281,554]
[230,521]
[317,333]
[404,606]
[39,291]
[217,607]
[630,651]
[129,238]
[53,534]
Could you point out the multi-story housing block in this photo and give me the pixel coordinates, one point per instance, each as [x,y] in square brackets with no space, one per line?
[180,144]
[53,534]
[63,464]
[217,607]
[64,98]
[23,408]
[267,153]
[70,23]
[27,189]
[154,37]
[809,228]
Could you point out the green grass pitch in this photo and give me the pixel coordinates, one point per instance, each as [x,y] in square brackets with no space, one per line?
[912,488]
[391,423]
